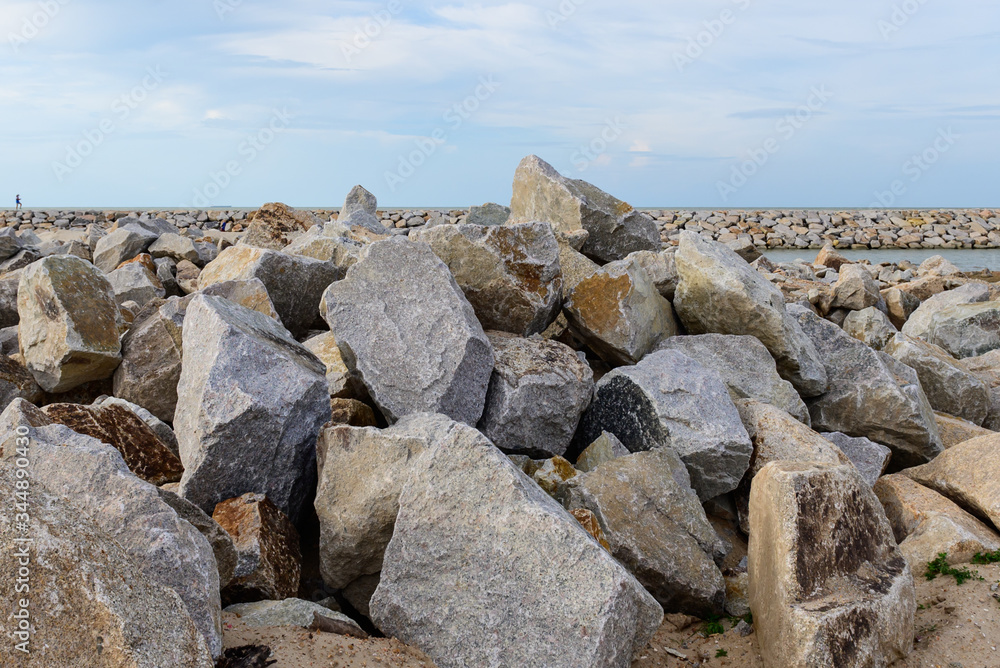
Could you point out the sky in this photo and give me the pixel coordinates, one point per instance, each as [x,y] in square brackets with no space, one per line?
[675,104]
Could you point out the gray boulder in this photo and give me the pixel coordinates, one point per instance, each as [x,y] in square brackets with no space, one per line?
[870,326]
[966,330]
[176,247]
[869,458]
[121,245]
[489,214]
[360,208]
[919,321]
[221,542]
[135,282]
[661,268]
[855,288]
[605,448]
[288,612]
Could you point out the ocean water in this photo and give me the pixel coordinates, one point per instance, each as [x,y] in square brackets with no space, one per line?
[966,259]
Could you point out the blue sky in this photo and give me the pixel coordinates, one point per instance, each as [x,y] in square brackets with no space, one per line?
[724,103]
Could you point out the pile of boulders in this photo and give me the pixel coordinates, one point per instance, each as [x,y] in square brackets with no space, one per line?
[513,443]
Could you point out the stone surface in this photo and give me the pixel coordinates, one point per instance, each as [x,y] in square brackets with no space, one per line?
[955,430]
[8,299]
[359,210]
[900,306]
[144,453]
[828,586]
[870,395]
[828,257]
[250,293]
[488,214]
[619,313]
[275,225]
[288,612]
[176,247]
[17,382]
[251,403]
[135,282]
[343,383]
[404,326]
[294,283]
[949,386]
[575,267]
[661,268]
[509,274]
[986,368]
[604,448]
[615,228]
[855,289]
[121,245]
[669,400]
[656,528]
[869,458]
[918,323]
[268,560]
[474,535]
[69,323]
[746,367]
[537,393]
[352,412]
[104,610]
[720,293]
[186,275]
[966,330]
[926,524]
[218,538]
[870,326]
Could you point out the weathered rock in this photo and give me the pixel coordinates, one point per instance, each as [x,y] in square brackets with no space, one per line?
[404,326]
[669,400]
[605,448]
[10,243]
[986,368]
[93,477]
[720,293]
[919,321]
[745,366]
[899,305]
[745,249]
[218,538]
[966,330]
[552,475]
[135,282]
[155,226]
[187,277]
[333,244]
[926,524]
[359,593]
[949,386]
[936,265]
[855,289]
[661,268]
[928,286]
[488,214]
[509,274]
[575,267]
[967,474]
[268,560]
[166,273]
[8,299]
[359,210]
[619,313]
[471,526]
[537,393]
[869,458]
[251,402]
[828,586]
[275,225]
[250,293]
[144,453]
[151,359]
[289,612]
[17,382]
[343,384]
[870,395]
[828,257]
[105,610]
[870,326]
[120,245]
[589,522]
[352,412]
[294,283]
[955,430]
[656,528]
[69,323]
[176,247]
[616,229]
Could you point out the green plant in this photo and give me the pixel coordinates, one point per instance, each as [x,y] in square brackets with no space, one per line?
[720,653]
[940,566]
[712,627]
[984,558]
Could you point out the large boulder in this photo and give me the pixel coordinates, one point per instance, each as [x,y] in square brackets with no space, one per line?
[475,535]
[855,288]
[251,293]
[537,393]
[870,394]
[120,245]
[619,313]
[899,306]
[509,274]
[176,247]
[616,229]
[918,322]
[656,528]
[218,538]
[294,283]
[91,602]
[870,326]
[670,400]
[986,368]
[93,477]
[488,214]
[718,292]
[17,382]
[746,367]
[955,430]
[869,458]
[135,282]
[359,210]
[661,268]
[828,586]
[949,386]
[69,323]
[966,330]
[251,403]
[275,225]
[405,327]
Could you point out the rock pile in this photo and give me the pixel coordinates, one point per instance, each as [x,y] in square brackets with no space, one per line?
[522,438]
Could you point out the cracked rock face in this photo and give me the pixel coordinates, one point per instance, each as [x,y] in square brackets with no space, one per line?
[275,225]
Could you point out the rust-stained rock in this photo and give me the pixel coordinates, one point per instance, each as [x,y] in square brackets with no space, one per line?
[828,257]
[619,313]
[220,540]
[275,225]
[145,259]
[17,382]
[552,475]
[589,522]
[269,563]
[955,430]
[928,286]
[69,327]
[352,412]
[828,585]
[144,453]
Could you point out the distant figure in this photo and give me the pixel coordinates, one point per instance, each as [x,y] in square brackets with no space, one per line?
[17,207]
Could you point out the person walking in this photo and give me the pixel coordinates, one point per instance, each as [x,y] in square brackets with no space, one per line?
[17,206]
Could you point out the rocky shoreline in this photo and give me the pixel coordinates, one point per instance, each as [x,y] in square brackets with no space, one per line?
[775,228]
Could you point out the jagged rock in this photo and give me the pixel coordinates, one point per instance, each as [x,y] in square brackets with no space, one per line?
[967,474]
[151,359]
[966,330]
[17,382]
[870,326]
[926,524]
[251,402]
[955,430]
[105,610]
[509,274]
[552,475]
[589,522]
[289,612]
[870,394]
[899,306]
[537,393]
[268,560]
[575,267]
[669,400]
[93,477]
[218,538]
[855,289]
[928,286]
[166,273]
[488,214]
[949,386]
[343,384]
[135,282]
[120,245]
[869,458]
[745,249]
[275,225]
[333,244]
[720,293]
[661,268]
[616,229]
[155,226]
[936,265]
[69,323]
[250,293]
[8,299]
[619,313]
[745,366]
[470,526]
[404,326]
[352,412]
[656,528]
[294,283]
[986,368]
[176,247]
[605,448]
[828,257]
[187,277]
[828,586]
[144,453]
[918,322]
[10,243]
[359,210]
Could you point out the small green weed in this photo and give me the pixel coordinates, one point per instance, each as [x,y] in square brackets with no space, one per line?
[720,653]
[940,566]
[984,558]
[713,627]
